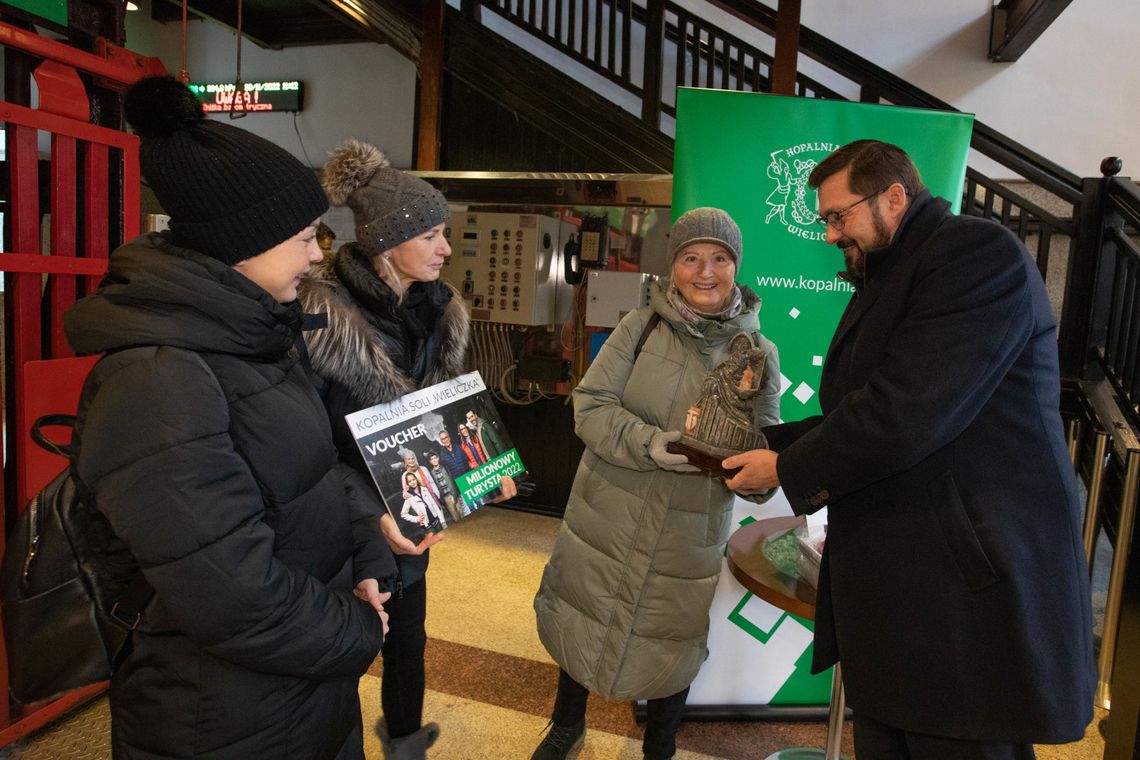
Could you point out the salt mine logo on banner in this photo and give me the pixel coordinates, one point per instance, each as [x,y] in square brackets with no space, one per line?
[792,204]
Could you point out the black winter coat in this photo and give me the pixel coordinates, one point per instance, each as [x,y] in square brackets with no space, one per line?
[375,349]
[953,585]
[208,450]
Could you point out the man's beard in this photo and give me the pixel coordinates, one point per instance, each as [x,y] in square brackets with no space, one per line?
[854,255]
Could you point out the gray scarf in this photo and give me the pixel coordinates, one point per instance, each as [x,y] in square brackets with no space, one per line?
[689,314]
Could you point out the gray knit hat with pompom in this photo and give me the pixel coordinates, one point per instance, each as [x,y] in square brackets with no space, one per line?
[388,206]
[705,225]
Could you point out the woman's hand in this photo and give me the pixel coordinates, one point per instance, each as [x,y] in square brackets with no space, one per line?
[508,488]
[661,456]
[402,545]
[369,590]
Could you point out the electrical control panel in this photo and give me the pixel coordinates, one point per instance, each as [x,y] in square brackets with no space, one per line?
[612,295]
[508,267]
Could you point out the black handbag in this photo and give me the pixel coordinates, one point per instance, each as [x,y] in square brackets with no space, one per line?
[70,590]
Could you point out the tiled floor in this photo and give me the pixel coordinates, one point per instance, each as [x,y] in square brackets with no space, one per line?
[491,684]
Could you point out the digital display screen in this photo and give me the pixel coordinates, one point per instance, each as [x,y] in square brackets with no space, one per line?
[219,97]
[470,235]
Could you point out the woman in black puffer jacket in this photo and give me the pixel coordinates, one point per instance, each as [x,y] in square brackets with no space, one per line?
[206,447]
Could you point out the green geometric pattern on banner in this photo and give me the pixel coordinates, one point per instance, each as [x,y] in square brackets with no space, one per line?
[803,688]
[52,10]
[748,626]
[750,154]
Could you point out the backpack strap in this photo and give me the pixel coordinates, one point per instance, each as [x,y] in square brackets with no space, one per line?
[66,450]
[127,611]
[649,328]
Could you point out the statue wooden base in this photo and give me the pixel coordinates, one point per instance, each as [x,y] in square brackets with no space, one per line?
[703,456]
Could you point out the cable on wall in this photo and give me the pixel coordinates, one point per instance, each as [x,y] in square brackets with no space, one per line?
[183,74]
[239,87]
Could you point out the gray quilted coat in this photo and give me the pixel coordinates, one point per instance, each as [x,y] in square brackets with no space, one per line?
[623,604]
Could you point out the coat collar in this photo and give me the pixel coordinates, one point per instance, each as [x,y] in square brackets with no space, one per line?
[925,214]
[349,350]
[156,293]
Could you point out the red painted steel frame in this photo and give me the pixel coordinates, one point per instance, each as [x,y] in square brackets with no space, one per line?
[75,143]
[115,64]
[25,265]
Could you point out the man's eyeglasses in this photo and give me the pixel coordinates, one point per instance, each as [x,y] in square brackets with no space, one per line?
[836,218]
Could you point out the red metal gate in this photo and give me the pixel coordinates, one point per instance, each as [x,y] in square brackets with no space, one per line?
[42,277]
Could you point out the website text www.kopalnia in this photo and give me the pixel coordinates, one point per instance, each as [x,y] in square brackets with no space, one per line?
[801,282]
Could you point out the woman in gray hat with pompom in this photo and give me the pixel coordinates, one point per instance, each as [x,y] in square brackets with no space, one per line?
[623,606]
[393,327]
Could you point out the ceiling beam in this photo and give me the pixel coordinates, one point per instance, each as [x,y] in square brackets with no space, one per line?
[1016,24]
[430,86]
[391,22]
[787,47]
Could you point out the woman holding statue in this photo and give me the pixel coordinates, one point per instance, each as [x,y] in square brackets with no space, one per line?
[623,604]
[393,328]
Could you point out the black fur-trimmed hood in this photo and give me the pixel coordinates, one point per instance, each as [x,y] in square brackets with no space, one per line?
[351,350]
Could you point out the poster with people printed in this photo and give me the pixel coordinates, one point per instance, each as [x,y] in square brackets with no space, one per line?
[436,454]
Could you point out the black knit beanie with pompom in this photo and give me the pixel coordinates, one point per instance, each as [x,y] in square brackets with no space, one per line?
[229,193]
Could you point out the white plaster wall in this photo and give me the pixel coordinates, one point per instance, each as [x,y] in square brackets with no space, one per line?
[1070,97]
[362,90]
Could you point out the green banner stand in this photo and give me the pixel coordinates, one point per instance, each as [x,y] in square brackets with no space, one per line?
[52,10]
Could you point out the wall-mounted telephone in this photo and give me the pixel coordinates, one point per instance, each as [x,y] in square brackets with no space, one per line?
[593,241]
[588,249]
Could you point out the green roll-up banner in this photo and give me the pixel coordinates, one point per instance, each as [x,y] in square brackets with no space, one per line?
[751,155]
[52,10]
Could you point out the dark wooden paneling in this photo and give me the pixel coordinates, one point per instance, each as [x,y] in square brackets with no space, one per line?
[481,135]
[544,435]
[1016,24]
[540,100]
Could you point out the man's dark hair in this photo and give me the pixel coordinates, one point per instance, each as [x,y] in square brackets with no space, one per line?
[874,165]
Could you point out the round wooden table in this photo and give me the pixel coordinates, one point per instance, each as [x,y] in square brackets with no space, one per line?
[756,573]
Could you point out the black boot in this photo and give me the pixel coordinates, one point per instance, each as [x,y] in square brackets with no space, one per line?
[561,742]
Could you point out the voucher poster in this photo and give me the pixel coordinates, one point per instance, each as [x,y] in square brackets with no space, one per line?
[437,454]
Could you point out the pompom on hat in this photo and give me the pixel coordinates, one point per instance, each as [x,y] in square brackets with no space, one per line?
[229,193]
[388,206]
[705,225]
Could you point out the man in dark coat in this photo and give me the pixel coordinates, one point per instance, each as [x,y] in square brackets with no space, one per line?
[953,584]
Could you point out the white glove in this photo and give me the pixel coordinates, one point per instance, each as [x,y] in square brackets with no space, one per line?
[665,460]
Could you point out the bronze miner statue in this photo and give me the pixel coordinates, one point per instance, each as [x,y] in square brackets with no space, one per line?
[719,424]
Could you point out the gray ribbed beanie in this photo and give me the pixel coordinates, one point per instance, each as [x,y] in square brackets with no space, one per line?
[705,225]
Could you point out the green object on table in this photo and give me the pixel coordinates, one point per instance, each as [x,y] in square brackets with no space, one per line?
[783,551]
